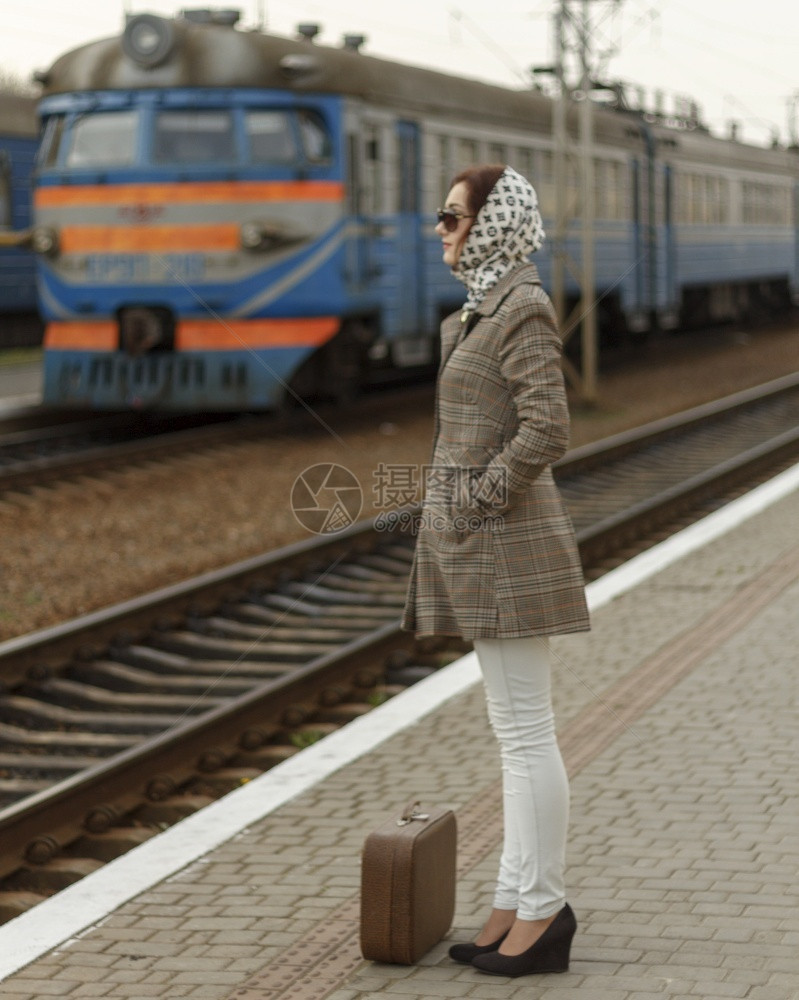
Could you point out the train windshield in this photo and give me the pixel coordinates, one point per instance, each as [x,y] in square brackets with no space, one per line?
[270,136]
[47,154]
[181,137]
[315,136]
[103,139]
[194,137]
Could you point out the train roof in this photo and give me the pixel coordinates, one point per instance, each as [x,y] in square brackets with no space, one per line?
[210,54]
[205,49]
[18,115]
[711,151]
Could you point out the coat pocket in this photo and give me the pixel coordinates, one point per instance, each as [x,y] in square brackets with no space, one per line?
[461,495]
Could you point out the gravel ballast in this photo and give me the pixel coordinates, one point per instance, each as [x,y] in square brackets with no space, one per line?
[79,546]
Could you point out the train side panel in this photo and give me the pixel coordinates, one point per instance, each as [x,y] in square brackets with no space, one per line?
[17,266]
[728,245]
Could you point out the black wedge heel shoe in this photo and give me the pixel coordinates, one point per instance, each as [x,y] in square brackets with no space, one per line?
[464,953]
[550,953]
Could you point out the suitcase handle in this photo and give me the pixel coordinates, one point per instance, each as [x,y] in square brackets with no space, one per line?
[409,814]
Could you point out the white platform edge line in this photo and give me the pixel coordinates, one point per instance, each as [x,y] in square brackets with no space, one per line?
[26,401]
[88,902]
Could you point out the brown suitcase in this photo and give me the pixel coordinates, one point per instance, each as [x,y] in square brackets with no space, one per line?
[408,885]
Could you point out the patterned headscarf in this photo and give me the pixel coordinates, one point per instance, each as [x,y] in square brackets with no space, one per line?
[507,229]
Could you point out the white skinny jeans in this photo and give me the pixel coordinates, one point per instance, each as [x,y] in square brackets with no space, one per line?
[516,675]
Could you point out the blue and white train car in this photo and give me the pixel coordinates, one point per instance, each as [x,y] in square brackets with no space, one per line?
[728,245]
[225,219]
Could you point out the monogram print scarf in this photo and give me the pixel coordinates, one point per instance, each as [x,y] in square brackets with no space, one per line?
[507,229]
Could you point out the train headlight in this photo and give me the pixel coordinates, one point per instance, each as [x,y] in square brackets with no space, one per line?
[251,236]
[44,240]
[148,39]
[265,236]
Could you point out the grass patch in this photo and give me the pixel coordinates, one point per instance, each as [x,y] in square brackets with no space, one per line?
[20,356]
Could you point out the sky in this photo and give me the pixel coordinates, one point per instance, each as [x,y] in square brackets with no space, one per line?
[735,65]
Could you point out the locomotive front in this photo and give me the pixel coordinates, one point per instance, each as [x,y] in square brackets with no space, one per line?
[189,212]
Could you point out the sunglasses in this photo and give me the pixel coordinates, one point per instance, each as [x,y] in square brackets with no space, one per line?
[450,219]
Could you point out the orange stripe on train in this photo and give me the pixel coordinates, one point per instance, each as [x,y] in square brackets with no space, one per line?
[82,336]
[189,191]
[231,335]
[150,239]
[200,334]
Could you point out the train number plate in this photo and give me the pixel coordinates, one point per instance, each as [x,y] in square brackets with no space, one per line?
[150,269]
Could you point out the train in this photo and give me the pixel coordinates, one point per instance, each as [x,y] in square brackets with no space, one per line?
[19,324]
[226,219]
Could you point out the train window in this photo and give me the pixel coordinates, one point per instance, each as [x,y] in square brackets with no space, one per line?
[193,137]
[545,182]
[270,136]
[766,204]
[609,190]
[467,154]
[373,187]
[315,136]
[408,167]
[723,209]
[5,189]
[772,210]
[717,200]
[102,139]
[547,166]
[685,202]
[445,171]
[47,154]
[600,190]
[703,199]
[699,200]
[524,164]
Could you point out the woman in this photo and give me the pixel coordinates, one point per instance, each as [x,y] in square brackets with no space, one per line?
[496,558]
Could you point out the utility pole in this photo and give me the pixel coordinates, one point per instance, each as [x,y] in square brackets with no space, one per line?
[574,57]
[793,131]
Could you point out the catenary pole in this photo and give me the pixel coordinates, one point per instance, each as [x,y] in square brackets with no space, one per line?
[588,303]
[573,37]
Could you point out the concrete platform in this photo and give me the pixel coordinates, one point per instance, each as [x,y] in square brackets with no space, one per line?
[20,384]
[677,720]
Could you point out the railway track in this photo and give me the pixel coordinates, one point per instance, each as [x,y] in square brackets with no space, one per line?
[46,446]
[40,447]
[120,723]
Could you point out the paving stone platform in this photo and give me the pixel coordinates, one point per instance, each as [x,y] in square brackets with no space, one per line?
[678,722]
[21,381]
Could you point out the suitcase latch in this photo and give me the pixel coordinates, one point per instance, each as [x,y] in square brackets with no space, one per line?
[410,813]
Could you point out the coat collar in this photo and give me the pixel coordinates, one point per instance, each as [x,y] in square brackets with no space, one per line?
[527,274]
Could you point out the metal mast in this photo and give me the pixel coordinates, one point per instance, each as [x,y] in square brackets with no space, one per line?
[576,75]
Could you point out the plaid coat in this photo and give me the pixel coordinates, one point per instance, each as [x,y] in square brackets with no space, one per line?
[496,555]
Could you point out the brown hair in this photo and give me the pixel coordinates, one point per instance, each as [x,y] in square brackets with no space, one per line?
[479,181]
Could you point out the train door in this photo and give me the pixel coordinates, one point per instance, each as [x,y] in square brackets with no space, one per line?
[366,192]
[642,316]
[669,291]
[357,251]
[409,230]
[637,318]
